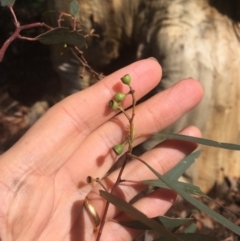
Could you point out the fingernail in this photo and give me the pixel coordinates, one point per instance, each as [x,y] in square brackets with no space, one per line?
[153,59]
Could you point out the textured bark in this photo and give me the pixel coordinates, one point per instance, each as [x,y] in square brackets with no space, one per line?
[190,38]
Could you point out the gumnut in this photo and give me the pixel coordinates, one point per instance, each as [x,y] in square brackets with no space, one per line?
[119,97]
[118,149]
[112,104]
[126,79]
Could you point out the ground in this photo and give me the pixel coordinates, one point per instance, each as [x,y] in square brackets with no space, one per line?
[26,77]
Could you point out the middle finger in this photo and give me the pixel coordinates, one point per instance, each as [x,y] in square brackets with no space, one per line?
[158,112]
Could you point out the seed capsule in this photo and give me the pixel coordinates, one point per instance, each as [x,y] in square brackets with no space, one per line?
[112,104]
[126,79]
[118,149]
[119,97]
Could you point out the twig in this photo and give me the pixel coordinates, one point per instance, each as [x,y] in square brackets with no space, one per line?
[130,138]
[17,31]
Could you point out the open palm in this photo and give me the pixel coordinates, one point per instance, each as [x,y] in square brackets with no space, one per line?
[43,176]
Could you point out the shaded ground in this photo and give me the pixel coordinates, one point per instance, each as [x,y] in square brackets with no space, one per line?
[26,74]
[27,80]
[230,200]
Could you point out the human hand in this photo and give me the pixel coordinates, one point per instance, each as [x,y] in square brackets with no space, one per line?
[43,176]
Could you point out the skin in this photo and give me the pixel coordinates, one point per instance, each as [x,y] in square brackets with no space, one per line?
[43,176]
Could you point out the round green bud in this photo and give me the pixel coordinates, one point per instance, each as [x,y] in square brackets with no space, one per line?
[119,97]
[118,149]
[126,79]
[112,104]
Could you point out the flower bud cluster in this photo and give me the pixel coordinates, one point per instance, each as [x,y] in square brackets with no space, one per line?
[119,97]
[114,104]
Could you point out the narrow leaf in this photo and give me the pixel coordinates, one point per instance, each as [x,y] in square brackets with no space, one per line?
[191,237]
[181,167]
[186,187]
[191,228]
[129,209]
[165,221]
[199,141]
[219,218]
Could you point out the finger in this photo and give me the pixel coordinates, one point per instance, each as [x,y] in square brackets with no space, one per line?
[155,204]
[158,112]
[51,141]
[162,158]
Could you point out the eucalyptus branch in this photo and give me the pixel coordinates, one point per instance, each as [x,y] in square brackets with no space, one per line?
[79,55]
[107,202]
[61,14]
[14,16]
[16,33]
[118,149]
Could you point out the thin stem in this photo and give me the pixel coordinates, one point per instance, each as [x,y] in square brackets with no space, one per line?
[60,18]
[119,180]
[135,157]
[14,17]
[133,112]
[84,63]
[99,182]
[107,203]
[16,33]
[74,23]
[90,179]
[132,131]
[122,182]
[125,113]
[8,42]
[35,25]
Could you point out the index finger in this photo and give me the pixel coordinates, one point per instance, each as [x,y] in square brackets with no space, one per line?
[62,129]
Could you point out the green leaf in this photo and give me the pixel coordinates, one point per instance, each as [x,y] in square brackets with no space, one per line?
[165,221]
[74,8]
[186,187]
[219,218]
[8,3]
[129,209]
[191,228]
[200,141]
[191,237]
[181,167]
[64,36]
